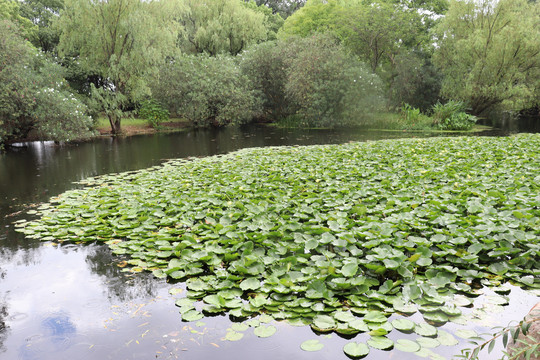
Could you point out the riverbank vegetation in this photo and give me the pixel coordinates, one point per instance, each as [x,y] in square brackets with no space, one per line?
[346,238]
[318,64]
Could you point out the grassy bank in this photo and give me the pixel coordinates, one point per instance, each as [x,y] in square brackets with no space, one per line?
[135,126]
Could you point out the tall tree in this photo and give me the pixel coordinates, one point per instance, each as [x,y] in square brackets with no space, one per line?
[42,13]
[221,26]
[123,41]
[11,10]
[283,7]
[489,52]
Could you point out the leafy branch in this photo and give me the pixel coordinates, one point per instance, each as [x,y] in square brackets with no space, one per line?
[531,347]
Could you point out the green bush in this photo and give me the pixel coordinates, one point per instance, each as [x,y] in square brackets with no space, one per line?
[208,91]
[452,116]
[328,87]
[33,94]
[264,64]
[153,112]
[60,116]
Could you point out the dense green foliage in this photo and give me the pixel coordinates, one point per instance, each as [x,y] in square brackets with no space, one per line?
[208,91]
[313,81]
[222,26]
[112,40]
[410,52]
[33,94]
[489,52]
[328,87]
[452,116]
[336,236]
[153,112]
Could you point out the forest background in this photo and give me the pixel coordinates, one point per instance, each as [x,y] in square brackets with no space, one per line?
[65,65]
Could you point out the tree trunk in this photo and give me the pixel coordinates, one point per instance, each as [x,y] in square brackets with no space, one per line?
[115,124]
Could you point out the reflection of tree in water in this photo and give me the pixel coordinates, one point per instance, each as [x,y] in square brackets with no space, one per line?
[3,316]
[120,285]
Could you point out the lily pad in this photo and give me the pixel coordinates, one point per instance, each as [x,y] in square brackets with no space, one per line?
[403,325]
[265,331]
[356,350]
[311,345]
[380,342]
[407,345]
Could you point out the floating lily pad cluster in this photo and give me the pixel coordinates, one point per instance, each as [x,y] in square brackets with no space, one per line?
[339,237]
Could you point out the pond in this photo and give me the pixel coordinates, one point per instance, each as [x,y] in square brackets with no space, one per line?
[74,301]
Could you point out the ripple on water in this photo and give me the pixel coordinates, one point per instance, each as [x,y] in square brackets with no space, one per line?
[18,316]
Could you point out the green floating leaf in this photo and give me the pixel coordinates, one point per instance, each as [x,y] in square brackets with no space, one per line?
[234,336]
[375,317]
[426,342]
[424,329]
[355,349]
[192,315]
[407,345]
[250,284]
[446,339]
[311,345]
[403,325]
[239,327]
[380,342]
[324,322]
[466,333]
[265,331]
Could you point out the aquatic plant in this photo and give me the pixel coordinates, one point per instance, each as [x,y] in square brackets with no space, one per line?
[338,237]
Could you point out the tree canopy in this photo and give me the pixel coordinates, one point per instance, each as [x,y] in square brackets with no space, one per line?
[221,26]
[123,41]
[488,52]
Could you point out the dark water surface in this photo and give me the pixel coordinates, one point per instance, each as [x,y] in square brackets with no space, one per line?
[74,301]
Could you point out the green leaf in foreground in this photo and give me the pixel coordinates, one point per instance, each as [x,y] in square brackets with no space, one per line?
[380,342]
[265,331]
[404,325]
[355,349]
[311,345]
[234,336]
[407,345]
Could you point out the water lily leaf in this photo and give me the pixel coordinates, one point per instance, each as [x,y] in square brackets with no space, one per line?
[403,325]
[239,327]
[356,350]
[375,317]
[466,333]
[407,345]
[436,317]
[359,325]
[424,329]
[265,331]
[446,339]
[234,336]
[192,315]
[380,342]
[311,345]
[324,322]
[250,284]
[349,270]
[426,342]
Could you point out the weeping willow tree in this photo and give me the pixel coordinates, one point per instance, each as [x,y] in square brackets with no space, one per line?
[124,42]
[489,52]
[222,26]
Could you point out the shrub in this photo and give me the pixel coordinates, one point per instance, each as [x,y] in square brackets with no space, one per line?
[264,65]
[452,116]
[327,86]
[153,112]
[208,91]
[34,95]
[59,116]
